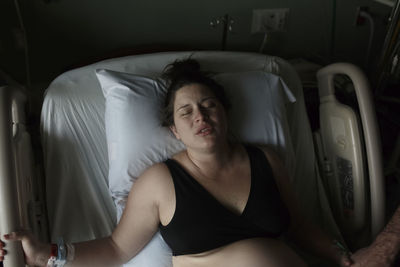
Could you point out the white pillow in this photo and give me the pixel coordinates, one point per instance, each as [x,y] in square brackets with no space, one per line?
[258,113]
[136,139]
[134,134]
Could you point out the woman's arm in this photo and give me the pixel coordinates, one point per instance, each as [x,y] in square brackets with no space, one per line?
[138,224]
[302,230]
[38,254]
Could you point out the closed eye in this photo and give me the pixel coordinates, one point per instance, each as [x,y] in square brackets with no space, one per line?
[209,103]
[185,112]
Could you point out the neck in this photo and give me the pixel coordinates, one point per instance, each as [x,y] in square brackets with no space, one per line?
[213,161]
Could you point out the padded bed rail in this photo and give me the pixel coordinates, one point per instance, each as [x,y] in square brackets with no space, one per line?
[371,138]
[12,117]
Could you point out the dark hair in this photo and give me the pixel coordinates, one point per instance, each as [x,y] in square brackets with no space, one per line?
[185,72]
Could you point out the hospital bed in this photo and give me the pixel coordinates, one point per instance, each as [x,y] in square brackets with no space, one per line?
[96,140]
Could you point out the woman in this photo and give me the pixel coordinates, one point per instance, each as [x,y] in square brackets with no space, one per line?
[217,203]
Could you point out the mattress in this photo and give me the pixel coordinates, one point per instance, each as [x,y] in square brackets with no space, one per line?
[79,202]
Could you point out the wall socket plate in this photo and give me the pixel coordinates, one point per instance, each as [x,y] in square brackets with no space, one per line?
[269,20]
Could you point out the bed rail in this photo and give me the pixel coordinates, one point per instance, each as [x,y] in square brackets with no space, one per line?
[12,102]
[371,134]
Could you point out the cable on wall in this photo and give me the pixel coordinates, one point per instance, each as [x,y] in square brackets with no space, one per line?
[25,43]
[264,42]
[368,17]
[333,32]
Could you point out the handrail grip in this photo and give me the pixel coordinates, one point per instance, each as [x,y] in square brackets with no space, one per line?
[371,134]
[11,113]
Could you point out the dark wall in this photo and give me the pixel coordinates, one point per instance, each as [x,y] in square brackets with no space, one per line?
[64,34]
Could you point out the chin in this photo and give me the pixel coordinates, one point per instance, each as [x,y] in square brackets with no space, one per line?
[210,145]
[209,142]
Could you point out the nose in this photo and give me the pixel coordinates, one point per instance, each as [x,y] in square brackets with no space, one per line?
[201,114]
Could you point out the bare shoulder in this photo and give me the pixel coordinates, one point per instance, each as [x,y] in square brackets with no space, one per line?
[155,176]
[282,178]
[277,166]
[273,158]
[158,169]
[154,184]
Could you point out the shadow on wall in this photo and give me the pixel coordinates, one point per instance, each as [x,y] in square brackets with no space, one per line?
[64,34]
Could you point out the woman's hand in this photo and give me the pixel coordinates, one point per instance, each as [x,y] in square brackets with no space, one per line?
[36,253]
[384,250]
[345,261]
[2,251]
[372,256]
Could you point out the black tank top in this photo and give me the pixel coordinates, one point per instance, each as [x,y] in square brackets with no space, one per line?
[201,223]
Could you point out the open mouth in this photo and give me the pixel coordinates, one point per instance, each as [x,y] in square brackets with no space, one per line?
[204,131]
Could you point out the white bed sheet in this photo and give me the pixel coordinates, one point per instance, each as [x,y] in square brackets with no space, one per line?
[75,150]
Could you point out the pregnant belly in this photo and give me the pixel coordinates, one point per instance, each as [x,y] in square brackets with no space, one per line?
[255,252]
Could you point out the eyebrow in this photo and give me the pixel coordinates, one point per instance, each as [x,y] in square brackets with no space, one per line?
[201,101]
[182,107]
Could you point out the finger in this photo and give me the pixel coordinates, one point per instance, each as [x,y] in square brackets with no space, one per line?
[15,236]
[347,261]
[3,252]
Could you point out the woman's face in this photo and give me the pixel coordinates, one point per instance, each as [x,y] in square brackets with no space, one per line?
[199,118]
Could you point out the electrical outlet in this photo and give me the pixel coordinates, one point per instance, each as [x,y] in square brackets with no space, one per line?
[269,20]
